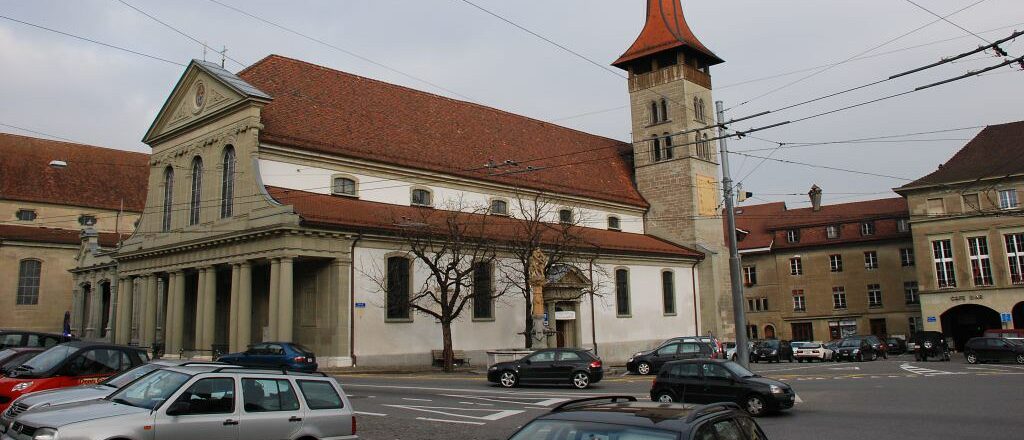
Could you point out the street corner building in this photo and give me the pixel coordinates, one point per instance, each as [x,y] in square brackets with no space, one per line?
[969,229]
[49,192]
[277,196]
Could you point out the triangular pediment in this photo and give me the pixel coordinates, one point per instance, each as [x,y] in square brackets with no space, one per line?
[204,91]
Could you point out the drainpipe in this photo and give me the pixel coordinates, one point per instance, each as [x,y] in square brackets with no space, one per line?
[696,313]
[593,325]
[352,302]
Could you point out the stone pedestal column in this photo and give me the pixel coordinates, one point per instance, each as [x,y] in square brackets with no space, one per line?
[210,309]
[274,300]
[76,310]
[107,331]
[244,305]
[200,311]
[126,302]
[540,339]
[95,311]
[148,329]
[233,311]
[285,306]
[174,323]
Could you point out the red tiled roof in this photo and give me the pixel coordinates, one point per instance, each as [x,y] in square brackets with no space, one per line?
[767,223]
[995,152]
[324,110]
[95,177]
[754,219]
[665,29]
[37,234]
[361,215]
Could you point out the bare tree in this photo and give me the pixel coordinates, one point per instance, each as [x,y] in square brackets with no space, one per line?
[449,244]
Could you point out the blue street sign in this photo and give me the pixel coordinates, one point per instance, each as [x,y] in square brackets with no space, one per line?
[360,305]
[1006,317]
[931,319]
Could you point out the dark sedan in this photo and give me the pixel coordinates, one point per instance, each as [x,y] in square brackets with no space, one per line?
[713,380]
[993,350]
[277,355]
[855,349]
[648,362]
[772,350]
[896,345]
[577,367]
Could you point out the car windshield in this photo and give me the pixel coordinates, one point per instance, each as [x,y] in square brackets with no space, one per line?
[127,377]
[45,361]
[576,430]
[738,369]
[4,354]
[770,344]
[806,345]
[850,343]
[150,391]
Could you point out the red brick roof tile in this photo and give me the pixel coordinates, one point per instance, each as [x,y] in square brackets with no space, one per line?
[95,177]
[361,215]
[995,152]
[665,29]
[37,234]
[754,219]
[324,110]
[767,223]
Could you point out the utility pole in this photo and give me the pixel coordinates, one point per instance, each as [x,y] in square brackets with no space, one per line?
[742,349]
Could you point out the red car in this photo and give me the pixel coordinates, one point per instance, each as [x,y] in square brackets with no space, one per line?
[67,365]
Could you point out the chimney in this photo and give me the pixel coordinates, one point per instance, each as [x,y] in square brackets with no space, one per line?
[90,239]
[815,195]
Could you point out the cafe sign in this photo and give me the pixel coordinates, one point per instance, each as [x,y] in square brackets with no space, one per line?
[959,298]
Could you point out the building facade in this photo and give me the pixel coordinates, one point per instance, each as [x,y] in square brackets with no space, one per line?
[826,272]
[44,206]
[968,229]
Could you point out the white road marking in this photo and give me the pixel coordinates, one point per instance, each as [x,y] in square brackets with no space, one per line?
[540,401]
[845,368]
[925,371]
[363,413]
[465,422]
[416,400]
[480,404]
[486,391]
[798,399]
[792,368]
[494,414]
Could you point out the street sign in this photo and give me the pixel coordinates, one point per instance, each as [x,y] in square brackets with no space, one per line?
[1006,317]
[931,319]
[360,305]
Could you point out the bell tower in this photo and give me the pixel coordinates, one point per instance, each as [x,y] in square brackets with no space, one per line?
[676,169]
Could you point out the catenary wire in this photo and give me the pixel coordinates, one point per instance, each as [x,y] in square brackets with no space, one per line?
[180,32]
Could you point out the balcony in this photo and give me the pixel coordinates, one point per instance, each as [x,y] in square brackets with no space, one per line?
[668,74]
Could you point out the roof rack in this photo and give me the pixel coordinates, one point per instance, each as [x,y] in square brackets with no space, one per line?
[592,401]
[235,368]
[704,410]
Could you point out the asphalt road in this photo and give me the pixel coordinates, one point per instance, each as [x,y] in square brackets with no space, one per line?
[887,399]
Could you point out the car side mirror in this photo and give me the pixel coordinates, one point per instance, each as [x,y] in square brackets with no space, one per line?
[179,408]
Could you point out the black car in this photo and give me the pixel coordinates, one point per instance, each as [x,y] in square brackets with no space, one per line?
[896,345]
[771,350]
[577,367]
[713,380]
[12,357]
[622,417]
[860,349]
[930,344]
[993,350]
[21,338]
[648,362]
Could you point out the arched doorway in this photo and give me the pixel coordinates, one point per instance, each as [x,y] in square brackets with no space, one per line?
[1018,315]
[967,321]
[769,331]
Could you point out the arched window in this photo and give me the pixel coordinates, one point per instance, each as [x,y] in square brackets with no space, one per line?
[422,197]
[344,186]
[668,292]
[702,111]
[28,282]
[197,191]
[656,149]
[398,292]
[622,292]
[654,113]
[227,184]
[614,223]
[664,109]
[668,147]
[168,198]
[499,207]
[565,216]
[483,290]
[696,108]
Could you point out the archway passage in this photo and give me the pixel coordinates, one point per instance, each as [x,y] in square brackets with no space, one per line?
[1018,315]
[967,321]
[769,331]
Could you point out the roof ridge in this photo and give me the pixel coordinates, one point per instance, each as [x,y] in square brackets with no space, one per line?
[426,93]
[78,144]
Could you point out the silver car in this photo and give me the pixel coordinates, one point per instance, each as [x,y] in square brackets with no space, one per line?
[201,402]
[103,389]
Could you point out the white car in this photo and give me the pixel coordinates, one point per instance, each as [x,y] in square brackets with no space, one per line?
[811,351]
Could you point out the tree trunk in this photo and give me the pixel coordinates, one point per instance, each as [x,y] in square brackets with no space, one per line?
[528,334]
[449,354]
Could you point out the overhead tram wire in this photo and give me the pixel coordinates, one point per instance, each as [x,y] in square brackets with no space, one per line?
[180,32]
[342,50]
[947,20]
[830,67]
[859,140]
[39,133]
[90,40]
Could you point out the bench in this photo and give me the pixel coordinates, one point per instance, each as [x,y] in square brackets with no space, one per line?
[458,358]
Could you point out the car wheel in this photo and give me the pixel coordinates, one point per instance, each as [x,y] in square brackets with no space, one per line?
[665,397]
[508,379]
[644,368]
[755,405]
[972,358]
[1020,358]
[580,380]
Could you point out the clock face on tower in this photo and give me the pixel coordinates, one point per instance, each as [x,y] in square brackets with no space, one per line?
[200,97]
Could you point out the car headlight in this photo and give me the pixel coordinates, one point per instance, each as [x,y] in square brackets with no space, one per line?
[856,350]
[45,434]
[493,368]
[927,345]
[21,386]
[775,389]
[775,351]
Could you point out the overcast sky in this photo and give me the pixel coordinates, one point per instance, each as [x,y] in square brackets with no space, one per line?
[96,95]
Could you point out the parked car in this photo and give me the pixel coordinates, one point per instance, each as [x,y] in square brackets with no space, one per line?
[577,367]
[993,350]
[622,417]
[930,344]
[67,365]
[203,402]
[878,344]
[42,399]
[896,345]
[11,358]
[772,350]
[280,355]
[649,362]
[811,351]
[855,349]
[1013,334]
[718,349]
[21,338]
[713,380]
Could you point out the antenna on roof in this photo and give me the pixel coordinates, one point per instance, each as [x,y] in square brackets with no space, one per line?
[204,51]
[223,55]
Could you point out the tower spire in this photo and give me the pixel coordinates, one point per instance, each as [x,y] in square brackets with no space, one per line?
[665,29]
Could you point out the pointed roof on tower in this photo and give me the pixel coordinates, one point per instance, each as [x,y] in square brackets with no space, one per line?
[666,29]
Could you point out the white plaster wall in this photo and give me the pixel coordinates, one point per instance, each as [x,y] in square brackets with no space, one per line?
[396,190]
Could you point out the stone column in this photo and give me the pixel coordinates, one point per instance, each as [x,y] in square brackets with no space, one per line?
[115,301]
[178,325]
[126,302]
[244,305]
[200,310]
[76,309]
[285,306]
[170,345]
[161,310]
[210,309]
[342,308]
[149,298]
[95,310]
[274,301]
[233,310]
